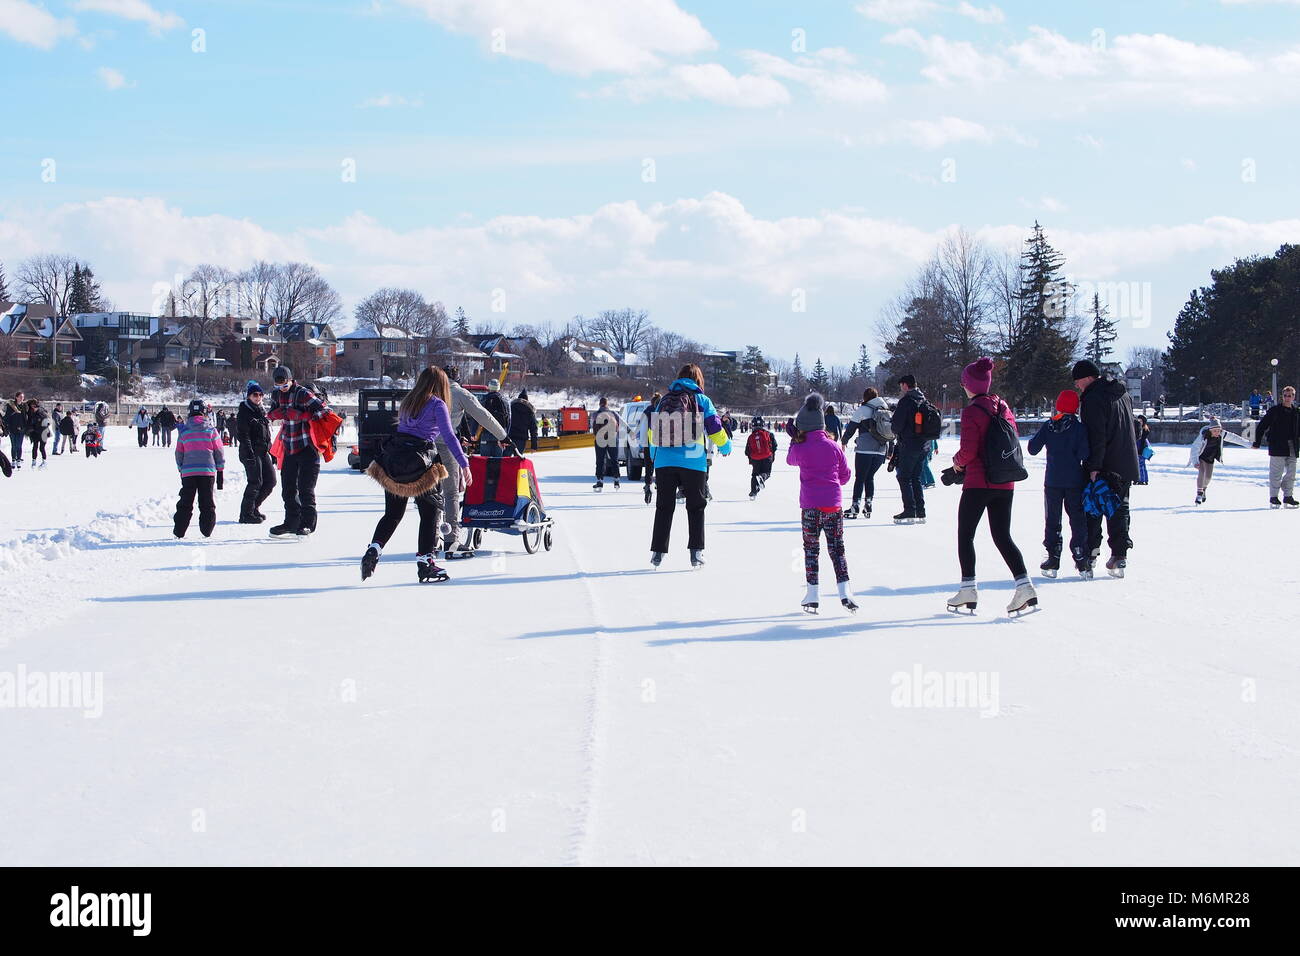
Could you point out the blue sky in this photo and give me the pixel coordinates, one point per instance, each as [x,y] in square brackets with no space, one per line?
[783,160]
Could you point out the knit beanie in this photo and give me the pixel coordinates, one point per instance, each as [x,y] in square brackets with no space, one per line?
[978,375]
[811,418]
[1085,369]
[1067,403]
[253,389]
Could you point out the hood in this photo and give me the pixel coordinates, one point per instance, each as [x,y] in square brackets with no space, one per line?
[1109,387]
[684,385]
[1063,421]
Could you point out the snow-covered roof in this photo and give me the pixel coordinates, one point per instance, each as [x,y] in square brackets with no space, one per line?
[389,333]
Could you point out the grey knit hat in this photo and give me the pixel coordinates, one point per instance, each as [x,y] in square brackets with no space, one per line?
[812,417]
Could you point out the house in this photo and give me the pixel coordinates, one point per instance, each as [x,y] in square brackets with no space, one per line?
[112,337]
[176,346]
[368,353]
[631,365]
[591,359]
[310,348]
[34,335]
[500,351]
[250,345]
[461,354]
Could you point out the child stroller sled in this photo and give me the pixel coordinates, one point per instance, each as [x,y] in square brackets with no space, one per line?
[504,497]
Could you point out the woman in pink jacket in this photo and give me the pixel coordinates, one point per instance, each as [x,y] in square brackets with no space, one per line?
[980,495]
[823,472]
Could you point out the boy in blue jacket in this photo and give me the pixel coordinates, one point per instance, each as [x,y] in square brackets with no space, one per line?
[1066,441]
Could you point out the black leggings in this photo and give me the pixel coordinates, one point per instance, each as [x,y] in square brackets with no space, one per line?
[428,504]
[974,502]
[864,470]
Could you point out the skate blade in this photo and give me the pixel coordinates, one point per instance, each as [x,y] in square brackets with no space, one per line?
[1048,572]
[1116,573]
[851,608]
[810,608]
[958,608]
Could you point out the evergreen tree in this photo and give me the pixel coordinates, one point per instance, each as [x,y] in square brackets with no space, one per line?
[1039,358]
[819,381]
[755,370]
[78,294]
[98,361]
[862,367]
[4,284]
[94,294]
[1103,333]
[797,381]
[461,327]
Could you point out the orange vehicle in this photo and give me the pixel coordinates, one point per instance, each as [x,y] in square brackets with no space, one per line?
[573,421]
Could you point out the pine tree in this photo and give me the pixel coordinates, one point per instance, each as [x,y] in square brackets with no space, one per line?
[462,323]
[797,381]
[755,370]
[862,368]
[819,381]
[78,293]
[1038,361]
[94,294]
[4,284]
[1103,332]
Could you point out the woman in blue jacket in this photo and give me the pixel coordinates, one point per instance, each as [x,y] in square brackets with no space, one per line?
[684,421]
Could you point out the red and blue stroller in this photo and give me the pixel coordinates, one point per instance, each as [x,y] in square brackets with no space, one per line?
[504,497]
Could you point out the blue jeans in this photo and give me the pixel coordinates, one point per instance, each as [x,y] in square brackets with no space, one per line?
[908,471]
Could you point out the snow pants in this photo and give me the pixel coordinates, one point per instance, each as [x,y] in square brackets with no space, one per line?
[667,482]
[259,470]
[298,488]
[1281,475]
[1071,501]
[200,485]
[759,471]
[997,502]
[814,523]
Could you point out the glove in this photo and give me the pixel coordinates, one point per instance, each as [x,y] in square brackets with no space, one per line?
[220,479]
[951,476]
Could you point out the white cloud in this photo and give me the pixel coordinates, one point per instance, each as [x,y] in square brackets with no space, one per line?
[990,14]
[896,11]
[1047,53]
[949,61]
[138,10]
[1288,62]
[576,36]
[823,73]
[392,101]
[113,79]
[706,81]
[34,25]
[1157,55]
[1048,204]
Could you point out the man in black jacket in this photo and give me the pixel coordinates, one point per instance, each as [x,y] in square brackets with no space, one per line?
[910,450]
[523,422]
[15,422]
[1281,426]
[1107,414]
[254,443]
[496,405]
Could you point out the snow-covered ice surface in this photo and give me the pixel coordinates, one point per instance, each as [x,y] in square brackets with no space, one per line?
[263,706]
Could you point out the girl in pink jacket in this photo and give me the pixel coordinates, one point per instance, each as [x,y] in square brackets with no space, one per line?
[823,471]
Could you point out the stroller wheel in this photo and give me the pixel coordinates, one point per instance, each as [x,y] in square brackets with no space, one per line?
[547,541]
[534,537]
[476,538]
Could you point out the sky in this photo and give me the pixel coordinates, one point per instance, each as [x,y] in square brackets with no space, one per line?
[761,173]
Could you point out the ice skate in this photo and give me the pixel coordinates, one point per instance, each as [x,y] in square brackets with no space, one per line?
[1051,566]
[852,512]
[369,561]
[904,517]
[1274,503]
[656,558]
[966,598]
[1290,502]
[697,559]
[427,571]
[1115,566]
[1024,598]
[810,600]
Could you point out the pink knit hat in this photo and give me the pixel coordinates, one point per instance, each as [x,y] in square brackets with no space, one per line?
[978,375]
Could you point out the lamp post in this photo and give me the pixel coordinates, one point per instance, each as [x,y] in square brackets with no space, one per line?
[1274,364]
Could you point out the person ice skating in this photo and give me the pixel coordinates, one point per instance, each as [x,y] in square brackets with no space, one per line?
[1281,427]
[410,467]
[760,448]
[872,423]
[982,492]
[56,433]
[68,431]
[1107,415]
[833,426]
[254,430]
[101,419]
[643,443]
[911,426]
[496,404]
[1256,400]
[684,421]
[166,424]
[546,427]
[607,426]
[465,410]
[201,460]
[823,472]
[297,407]
[141,422]
[38,430]
[1144,449]
[523,423]
[1066,441]
[927,476]
[15,423]
[91,439]
[1207,449]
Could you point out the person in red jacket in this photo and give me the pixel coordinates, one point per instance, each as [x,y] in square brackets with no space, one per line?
[979,495]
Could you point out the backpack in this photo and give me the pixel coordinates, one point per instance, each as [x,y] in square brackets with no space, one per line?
[678,421]
[880,425]
[1004,462]
[759,446]
[928,421]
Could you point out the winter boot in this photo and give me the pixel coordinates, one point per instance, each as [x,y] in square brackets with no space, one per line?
[283,529]
[249,519]
[1051,566]
[697,558]
[369,561]
[1024,598]
[810,599]
[967,597]
[427,571]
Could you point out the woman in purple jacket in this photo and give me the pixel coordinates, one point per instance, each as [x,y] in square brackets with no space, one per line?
[823,472]
[409,467]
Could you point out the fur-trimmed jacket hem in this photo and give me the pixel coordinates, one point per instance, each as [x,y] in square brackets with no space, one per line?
[408,489]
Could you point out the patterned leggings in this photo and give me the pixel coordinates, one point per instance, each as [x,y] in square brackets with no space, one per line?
[814,523]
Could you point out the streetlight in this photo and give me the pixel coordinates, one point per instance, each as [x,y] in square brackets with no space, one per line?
[1274,364]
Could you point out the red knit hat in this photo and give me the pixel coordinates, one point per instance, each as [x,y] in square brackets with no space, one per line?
[1067,403]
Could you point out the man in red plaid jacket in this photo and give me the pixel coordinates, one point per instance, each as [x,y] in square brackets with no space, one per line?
[297,407]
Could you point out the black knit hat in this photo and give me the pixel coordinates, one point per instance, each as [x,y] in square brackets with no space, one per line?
[1085,369]
[282,373]
[197,407]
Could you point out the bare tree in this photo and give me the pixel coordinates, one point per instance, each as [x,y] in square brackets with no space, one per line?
[1145,356]
[1007,298]
[966,275]
[256,286]
[47,278]
[619,330]
[402,309]
[201,296]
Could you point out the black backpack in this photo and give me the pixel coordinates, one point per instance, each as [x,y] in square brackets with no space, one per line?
[677,421]
[1004,461]
[929,423]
